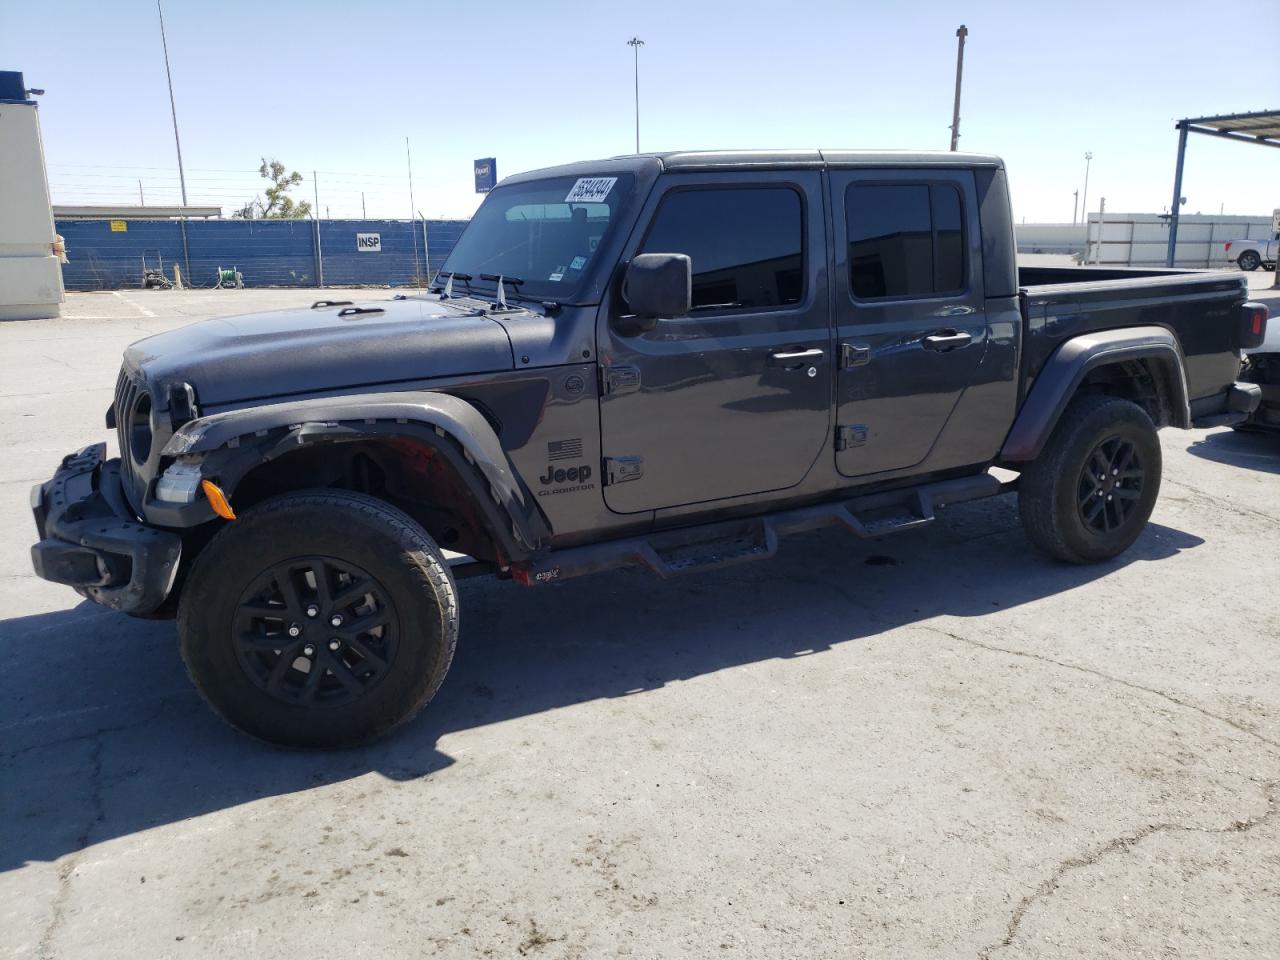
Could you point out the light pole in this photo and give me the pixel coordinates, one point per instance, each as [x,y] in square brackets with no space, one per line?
[1075,206]
[635,43]
[1084,206]
[955,111]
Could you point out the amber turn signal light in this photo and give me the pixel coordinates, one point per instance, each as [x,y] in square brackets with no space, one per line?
[217,500]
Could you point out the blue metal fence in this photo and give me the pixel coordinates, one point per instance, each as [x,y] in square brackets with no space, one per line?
[268,253]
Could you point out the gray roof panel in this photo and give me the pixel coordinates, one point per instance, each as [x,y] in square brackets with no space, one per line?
[688,161]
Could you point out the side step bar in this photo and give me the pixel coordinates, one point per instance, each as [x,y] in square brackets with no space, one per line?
[671,553]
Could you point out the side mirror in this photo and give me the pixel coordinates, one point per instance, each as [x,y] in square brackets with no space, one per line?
[658,285]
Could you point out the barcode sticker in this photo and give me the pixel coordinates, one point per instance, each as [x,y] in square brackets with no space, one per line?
[590,189]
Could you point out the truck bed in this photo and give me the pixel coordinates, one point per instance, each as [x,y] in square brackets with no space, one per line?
[1061,302]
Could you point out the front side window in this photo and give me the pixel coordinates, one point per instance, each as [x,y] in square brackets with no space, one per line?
[746,244]
[905,240]
[542,235]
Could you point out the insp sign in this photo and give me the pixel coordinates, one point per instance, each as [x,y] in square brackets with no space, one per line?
[369,242]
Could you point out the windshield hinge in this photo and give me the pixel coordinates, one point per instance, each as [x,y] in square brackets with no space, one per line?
[622,469]
[619,379]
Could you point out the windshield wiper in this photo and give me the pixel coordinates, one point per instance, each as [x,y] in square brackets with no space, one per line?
[447,293]
[499,279]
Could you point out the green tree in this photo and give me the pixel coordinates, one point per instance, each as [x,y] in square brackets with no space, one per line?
[278,205]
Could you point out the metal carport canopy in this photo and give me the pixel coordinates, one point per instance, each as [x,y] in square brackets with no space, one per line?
[1261,127]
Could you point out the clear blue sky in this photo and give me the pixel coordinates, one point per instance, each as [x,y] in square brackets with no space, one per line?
[337,86]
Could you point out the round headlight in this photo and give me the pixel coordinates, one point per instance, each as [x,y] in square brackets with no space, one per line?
[140,435]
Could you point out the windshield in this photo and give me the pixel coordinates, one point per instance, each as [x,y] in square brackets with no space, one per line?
[544,233]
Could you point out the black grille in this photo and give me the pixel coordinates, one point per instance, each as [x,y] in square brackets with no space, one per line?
[127,390]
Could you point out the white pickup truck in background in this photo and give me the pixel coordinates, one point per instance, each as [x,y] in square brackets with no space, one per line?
[1251,254]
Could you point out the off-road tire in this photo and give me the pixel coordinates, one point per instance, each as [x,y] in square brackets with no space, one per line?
[1053,491]
[1248,261]
[347,530]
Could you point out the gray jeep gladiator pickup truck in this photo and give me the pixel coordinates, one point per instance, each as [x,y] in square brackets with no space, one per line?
[665,361]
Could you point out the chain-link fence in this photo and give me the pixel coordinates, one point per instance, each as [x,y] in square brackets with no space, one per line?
[116,254]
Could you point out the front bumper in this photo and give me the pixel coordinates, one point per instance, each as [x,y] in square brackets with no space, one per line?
[90,539]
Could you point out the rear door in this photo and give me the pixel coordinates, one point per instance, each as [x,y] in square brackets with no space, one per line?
[734,399]
[909,310]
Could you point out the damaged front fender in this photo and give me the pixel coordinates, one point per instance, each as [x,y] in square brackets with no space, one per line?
[229,445]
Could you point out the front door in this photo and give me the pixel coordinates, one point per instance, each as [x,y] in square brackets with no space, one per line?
[734,399]
[910,319]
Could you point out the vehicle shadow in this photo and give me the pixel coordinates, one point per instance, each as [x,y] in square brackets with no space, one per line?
[1253,451]
[103,736]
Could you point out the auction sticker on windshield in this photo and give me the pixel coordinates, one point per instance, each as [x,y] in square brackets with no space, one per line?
[590,189]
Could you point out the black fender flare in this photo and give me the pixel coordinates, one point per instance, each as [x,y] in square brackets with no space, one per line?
[1066,368]
[234,442]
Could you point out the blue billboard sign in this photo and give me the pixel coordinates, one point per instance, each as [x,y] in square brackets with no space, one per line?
[486,174]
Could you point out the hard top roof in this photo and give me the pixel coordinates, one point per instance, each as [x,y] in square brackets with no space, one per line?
[693,160]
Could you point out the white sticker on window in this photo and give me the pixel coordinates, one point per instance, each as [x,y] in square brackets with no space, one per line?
[556,276]
[590,189]
[577,263]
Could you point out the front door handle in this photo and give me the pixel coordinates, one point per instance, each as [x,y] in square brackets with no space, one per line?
[795,358]
[944,340]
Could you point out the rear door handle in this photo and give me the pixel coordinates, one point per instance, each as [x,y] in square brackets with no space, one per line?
[945,340]
[795,358]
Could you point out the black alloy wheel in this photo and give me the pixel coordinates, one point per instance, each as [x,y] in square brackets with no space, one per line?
[1110,486]
[315,630]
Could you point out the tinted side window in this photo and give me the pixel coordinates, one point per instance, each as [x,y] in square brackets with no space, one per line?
[747,245]
[905,240]
[949,242]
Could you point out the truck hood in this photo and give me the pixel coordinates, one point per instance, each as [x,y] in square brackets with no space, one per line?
[290,352]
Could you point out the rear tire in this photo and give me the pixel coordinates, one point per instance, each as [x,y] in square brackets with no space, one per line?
[322,618]
[1249,261]
[1089,494]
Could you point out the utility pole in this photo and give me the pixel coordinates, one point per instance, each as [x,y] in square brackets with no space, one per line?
[141,199]
[173,112]
[635,43]
[955,111]
[1075,205]
[1084,200]
[364,214]
[417,265]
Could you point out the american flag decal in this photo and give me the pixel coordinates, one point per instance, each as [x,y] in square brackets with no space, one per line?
[564,450]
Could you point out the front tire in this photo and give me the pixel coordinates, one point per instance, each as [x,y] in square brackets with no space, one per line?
[1089,494]
[1248,261]
[319,619]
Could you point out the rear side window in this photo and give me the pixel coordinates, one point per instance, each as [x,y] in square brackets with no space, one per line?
[905,240]
[746,244]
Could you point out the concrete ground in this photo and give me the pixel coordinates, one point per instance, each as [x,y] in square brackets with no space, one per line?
[938,745]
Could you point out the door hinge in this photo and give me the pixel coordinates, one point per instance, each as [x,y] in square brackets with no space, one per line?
[622,469]
[851,436]
[854,355]
[619,379]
